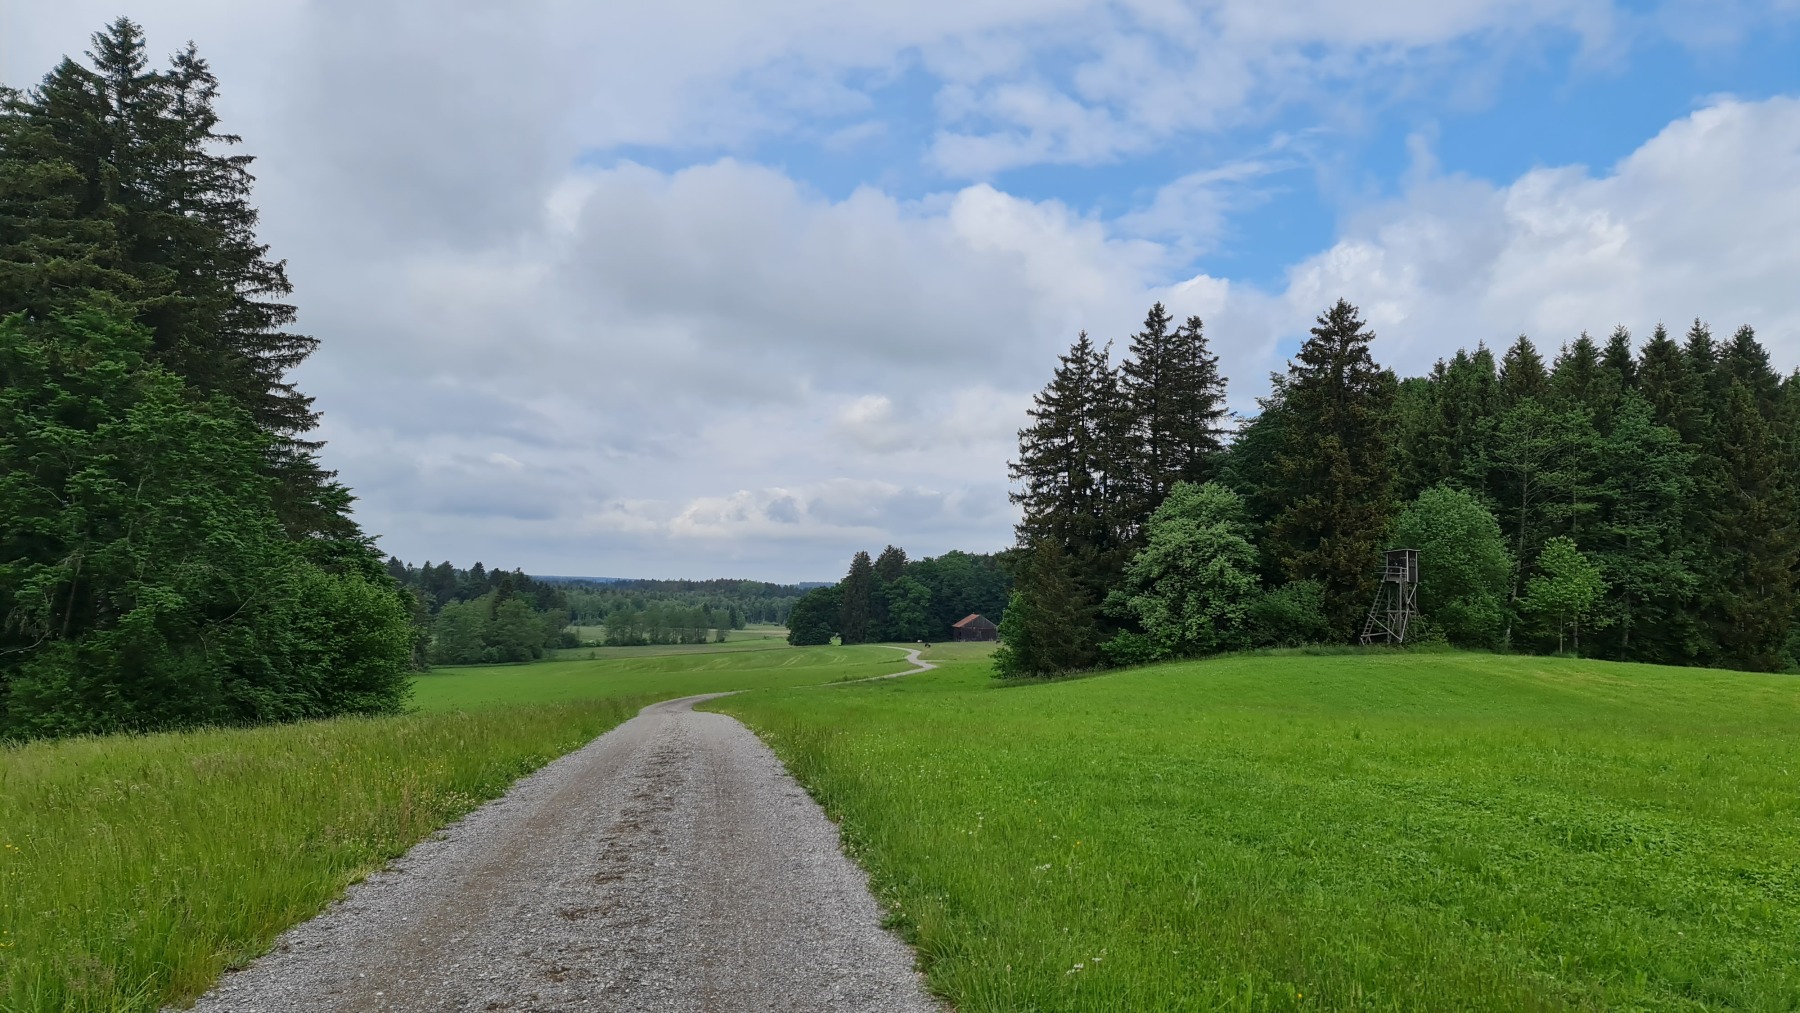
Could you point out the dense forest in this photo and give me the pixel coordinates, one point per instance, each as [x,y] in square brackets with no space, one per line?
[172,552]
[676,611]
[893,598]
[751,601]
[1623,500]
[475,616]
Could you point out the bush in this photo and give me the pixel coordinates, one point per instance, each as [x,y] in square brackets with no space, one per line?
[1292,615]
[1463,565]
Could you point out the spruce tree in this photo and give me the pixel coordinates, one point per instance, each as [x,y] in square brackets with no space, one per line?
[1746,362]
[1618,358]
[1048,627]
[1333,472]
[1074,470]
[115,183]
[1522,372]
[857,604]
[891,564]
[1172,385]
[1062,463]
[1637,539]
[1751,604]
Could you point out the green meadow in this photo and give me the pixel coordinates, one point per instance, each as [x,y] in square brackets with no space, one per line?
[1368,831]
[134,869]
[1298,832]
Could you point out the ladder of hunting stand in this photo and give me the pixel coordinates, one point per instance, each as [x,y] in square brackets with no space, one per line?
[1397,601]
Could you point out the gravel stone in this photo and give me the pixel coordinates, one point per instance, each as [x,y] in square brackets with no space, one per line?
[669,865]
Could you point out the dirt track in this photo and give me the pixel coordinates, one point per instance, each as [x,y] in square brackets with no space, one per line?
[671,864]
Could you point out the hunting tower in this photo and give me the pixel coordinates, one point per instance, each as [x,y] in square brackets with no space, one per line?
[1397,603]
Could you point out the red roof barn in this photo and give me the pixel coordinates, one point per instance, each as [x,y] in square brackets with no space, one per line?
[975,627]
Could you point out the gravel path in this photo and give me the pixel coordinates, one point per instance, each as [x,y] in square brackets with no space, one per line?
[669,865]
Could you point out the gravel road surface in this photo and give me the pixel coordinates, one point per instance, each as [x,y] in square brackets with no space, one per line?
[669,865]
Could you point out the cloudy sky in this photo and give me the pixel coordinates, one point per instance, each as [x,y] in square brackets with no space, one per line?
[692,288]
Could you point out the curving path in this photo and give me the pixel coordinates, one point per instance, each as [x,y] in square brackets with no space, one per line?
[669,865]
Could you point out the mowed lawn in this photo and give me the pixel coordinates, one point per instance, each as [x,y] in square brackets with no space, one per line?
[1376,831]
[134,869]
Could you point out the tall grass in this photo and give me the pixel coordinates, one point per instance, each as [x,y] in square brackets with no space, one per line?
[134,869]
[1384,832]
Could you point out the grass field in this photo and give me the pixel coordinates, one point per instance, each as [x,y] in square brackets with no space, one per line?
[1294,832]
[1423,832]
[134,869]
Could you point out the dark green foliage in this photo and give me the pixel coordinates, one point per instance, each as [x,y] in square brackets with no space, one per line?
[1751,603]
[1522,373]
[116,184]
[856,609]
[814,619]
[1048,628]
[1669,476]
[1333,473]
[920,603]
[1291,615]
[960,584]
[145,580]
[751,601]
[1176,398]
[1465,570]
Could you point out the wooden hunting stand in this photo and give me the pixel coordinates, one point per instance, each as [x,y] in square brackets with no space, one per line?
[1397,602]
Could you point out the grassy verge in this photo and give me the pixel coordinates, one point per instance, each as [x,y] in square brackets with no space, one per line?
[134,869]
[1374,832]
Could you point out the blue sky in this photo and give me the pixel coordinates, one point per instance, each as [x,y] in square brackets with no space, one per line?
[699,289]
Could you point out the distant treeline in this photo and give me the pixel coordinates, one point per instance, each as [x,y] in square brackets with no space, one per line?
[893,598]
[591,603]
[1625,501]
[478,615]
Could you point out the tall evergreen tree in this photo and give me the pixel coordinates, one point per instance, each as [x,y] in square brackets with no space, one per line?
[891,564]
[1048,628]
[1746,362]
[116,183]
[1176,396]
[1636,537]
[1333,472]
[1618,358]
[857,603]
[1522,372]
[1757,546]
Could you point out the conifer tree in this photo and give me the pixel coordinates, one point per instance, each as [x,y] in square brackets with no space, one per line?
[1172,385]
[1746,362]
[1636,537]
[116,183]
[1048,627]
[1579,378]
[1522,373]
[1333,471]
[857,603]
[1062,453]
[1618,358]
[891,564]
[1751,604]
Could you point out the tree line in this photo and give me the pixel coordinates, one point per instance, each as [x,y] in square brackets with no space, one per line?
[1623,500]
[481,616]
[171,550]
[893,598]
[749,601]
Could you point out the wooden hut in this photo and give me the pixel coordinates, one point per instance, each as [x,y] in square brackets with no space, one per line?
[975,627]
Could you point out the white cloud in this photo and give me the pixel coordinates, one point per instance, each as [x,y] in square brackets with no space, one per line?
[538,353]
[1702,220]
